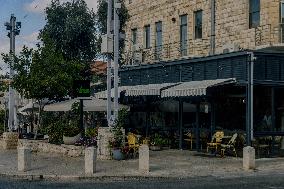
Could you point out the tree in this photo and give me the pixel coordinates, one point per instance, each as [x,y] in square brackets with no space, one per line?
[71,29]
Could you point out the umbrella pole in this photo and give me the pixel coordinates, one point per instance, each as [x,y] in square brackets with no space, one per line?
[81,118]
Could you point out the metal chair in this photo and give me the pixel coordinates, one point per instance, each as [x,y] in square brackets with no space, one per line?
[229,146]
[132,143]
[216,141]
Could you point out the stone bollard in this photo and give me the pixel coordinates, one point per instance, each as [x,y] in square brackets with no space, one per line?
[144,158]
[90,160]
[24,159]
[248,158]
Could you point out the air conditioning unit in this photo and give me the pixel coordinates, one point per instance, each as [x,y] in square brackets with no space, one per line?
[231,47]
[137,58]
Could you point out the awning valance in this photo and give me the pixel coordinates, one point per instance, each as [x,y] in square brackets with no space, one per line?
[147,90]
[194,88]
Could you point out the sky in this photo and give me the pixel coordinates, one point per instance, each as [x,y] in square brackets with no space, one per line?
[31,14]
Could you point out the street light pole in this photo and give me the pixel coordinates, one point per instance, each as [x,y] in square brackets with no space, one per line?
[14,29]
[117,6]
[109,18]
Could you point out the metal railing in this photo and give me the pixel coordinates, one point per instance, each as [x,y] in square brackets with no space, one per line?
[169,51]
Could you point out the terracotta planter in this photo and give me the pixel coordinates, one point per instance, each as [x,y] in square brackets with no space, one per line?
[71,140]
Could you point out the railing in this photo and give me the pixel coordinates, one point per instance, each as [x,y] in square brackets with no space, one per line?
[169,51]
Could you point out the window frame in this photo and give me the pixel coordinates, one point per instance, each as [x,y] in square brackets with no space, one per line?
[183,36]
[198,30]
[147,36]
[253,13]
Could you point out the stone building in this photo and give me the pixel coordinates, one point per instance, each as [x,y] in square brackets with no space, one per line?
[198,66]
[175,29]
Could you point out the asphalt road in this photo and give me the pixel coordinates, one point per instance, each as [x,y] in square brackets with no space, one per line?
[268,182]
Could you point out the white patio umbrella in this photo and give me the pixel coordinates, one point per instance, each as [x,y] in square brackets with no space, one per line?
[28,108]
[92,105]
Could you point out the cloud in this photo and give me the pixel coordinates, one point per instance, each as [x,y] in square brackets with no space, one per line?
[38,6]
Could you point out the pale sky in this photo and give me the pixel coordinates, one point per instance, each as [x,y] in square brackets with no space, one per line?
[31,14]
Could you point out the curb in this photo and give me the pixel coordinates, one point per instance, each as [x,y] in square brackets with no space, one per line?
[85,177]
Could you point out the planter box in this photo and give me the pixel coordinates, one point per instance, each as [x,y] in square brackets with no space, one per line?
[71,140]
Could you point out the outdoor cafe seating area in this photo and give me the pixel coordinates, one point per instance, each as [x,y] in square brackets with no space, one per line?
[223,143]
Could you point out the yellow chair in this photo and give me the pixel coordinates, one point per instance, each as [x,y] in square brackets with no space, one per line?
[132,143]
[230,145]
[216,141]
[190,139]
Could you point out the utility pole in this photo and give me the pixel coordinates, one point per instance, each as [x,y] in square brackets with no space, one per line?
[109,18]
[14,29]
[117,6]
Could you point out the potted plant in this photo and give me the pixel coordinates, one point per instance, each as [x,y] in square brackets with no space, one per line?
[156,142]
[71,133]
[116,143]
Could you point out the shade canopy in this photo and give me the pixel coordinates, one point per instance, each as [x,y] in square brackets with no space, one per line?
[147,90]
[194,88]
[91,105]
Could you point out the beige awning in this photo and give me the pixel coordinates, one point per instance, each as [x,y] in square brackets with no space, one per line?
[194,88]
[93,105]
[147,90]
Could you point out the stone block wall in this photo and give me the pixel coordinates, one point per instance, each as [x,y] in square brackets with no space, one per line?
[9,140]
[43,146]
[232,24]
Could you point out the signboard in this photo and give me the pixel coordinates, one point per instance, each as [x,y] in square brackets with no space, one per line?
[81,88]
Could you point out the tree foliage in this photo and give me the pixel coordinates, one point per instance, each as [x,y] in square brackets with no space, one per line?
[71,29]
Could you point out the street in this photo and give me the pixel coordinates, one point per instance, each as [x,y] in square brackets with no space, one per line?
[264,181]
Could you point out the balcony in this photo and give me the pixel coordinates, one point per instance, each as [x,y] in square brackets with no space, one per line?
[168,51]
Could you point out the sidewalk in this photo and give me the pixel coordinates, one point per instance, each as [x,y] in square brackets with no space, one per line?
[167,163]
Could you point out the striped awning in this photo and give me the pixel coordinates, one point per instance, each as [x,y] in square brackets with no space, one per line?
[194,88]
[147,90]
[103,94]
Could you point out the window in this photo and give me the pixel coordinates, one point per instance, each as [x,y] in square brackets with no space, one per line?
[198,24]
[134,38]
[159,39]
[282,12]
[183,35]
[147,36]
[254,13]
[282,22]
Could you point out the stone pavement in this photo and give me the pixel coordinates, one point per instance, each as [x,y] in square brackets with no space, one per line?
[166,163]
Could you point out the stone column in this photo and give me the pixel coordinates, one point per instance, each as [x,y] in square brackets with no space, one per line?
[144,158]
[24,159]
[90,160]
[10,140]
[248,158]
[104,135]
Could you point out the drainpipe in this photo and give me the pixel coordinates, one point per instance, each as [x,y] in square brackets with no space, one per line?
[212,35]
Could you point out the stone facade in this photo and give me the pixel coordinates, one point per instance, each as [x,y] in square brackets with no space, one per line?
[231,26]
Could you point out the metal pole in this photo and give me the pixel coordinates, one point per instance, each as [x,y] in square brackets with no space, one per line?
[180,116]
[116,56]
[81,117]
[109,16]
[11,74]
[197,132]
[212,37]
[250,100]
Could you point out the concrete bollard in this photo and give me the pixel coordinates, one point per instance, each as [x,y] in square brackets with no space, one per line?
[144,158]
[24,159]
[90,160]
[248,158]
